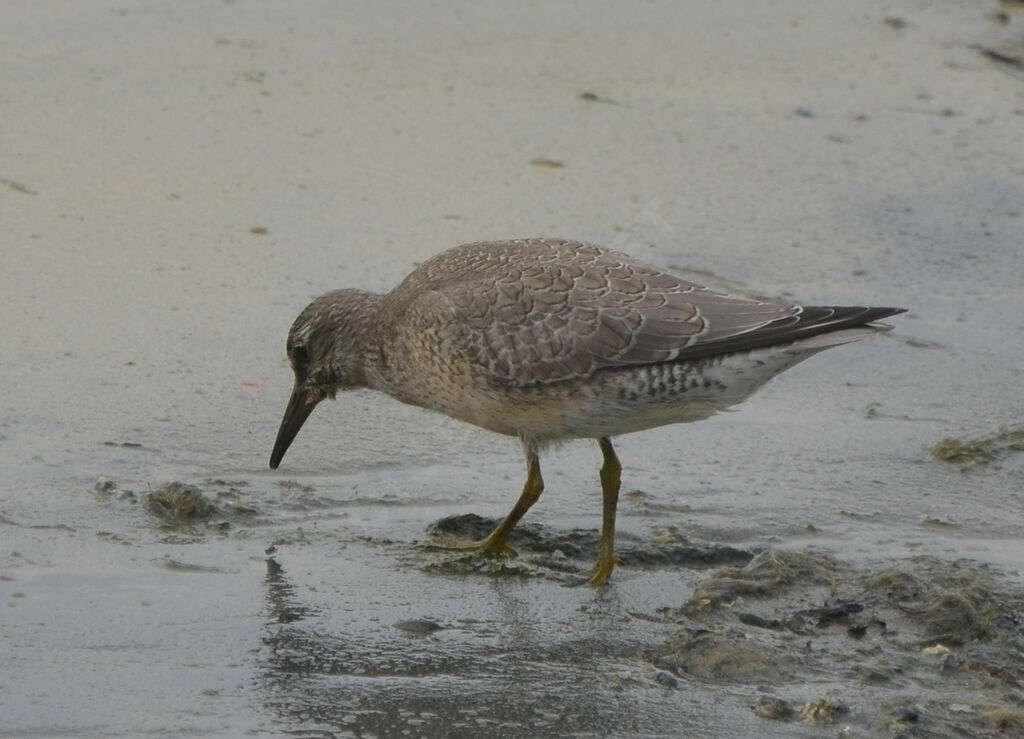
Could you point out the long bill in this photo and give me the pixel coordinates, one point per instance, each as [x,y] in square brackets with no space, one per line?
[300,405]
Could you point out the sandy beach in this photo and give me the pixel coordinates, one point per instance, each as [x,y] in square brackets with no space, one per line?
[179,179]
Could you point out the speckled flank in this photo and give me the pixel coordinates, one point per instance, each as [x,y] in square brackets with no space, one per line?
[622,400]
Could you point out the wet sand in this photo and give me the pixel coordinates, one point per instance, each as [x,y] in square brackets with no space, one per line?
[177,180]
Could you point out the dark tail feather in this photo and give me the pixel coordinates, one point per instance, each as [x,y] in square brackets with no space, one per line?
[811,321]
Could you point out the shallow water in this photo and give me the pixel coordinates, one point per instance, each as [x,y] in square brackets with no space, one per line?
[178,180]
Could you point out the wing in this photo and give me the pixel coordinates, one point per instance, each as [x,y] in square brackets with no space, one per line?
[540,311]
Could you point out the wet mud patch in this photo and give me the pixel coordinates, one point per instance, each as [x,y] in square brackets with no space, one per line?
[763,575]
[176,502]
[183,508]
[724,656]
[546,552]
[924,648]
[460,658]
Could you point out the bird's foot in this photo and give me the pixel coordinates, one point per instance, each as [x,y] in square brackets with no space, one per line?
[489,545]
[601,571]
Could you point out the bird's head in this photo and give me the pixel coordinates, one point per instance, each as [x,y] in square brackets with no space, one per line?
[326,350]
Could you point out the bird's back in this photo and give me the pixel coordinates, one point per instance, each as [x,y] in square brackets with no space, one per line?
[538,311]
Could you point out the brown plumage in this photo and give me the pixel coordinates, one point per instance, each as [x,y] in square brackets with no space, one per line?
[547,339]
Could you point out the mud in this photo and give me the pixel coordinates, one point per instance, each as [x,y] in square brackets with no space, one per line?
[915,647]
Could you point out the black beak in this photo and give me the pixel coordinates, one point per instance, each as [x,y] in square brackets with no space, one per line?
[300,405]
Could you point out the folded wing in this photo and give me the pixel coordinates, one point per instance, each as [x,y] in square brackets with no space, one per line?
[541,311]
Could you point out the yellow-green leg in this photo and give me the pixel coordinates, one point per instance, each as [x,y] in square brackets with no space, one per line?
[497,542]
[611,476]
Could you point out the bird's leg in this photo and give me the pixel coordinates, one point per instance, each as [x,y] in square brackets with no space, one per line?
[497,542]
[611,475]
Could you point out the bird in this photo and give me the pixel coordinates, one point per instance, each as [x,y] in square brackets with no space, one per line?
[551,339]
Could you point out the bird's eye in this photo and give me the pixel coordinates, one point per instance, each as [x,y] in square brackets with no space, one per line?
[300,354]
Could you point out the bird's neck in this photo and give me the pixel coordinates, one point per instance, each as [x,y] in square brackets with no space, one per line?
[364,321]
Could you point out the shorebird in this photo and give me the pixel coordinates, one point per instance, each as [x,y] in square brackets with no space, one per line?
[548,339]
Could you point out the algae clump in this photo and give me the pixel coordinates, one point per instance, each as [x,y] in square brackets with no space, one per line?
[970,452]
